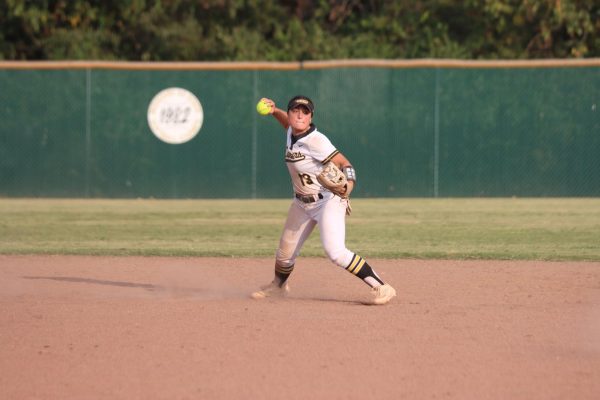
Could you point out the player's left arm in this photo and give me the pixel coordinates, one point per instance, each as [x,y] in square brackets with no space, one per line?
[344,164]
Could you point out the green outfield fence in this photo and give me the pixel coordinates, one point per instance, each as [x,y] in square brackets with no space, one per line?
[420,128]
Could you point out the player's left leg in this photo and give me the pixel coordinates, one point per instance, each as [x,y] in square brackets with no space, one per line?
[332,227]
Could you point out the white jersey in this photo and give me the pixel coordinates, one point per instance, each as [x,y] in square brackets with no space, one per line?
[305,156]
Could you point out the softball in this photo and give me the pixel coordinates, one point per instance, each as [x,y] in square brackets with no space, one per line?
[263,108]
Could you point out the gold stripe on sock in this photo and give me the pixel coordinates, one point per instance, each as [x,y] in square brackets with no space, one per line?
[359,262]
[284,270]
[359,266]
[281,268]
[353,263]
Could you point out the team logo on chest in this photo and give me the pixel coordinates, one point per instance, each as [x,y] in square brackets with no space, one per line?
[294,156]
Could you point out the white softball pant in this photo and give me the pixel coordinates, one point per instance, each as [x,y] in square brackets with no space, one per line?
[329,214]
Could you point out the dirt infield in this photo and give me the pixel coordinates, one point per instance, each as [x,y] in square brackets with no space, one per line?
[184,328]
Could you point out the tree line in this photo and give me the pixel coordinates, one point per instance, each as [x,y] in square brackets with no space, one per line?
[254,30]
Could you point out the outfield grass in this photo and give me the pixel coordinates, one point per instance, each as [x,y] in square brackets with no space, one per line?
[527,229]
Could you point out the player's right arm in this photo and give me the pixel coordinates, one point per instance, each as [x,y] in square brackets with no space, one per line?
[278,113]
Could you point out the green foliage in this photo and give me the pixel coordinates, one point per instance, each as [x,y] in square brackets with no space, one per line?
[298,30]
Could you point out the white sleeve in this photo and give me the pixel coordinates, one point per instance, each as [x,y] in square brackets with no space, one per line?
[321,149]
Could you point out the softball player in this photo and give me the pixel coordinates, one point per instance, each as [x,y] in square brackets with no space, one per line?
[307,151]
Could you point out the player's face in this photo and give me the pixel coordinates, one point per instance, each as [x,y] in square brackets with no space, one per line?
[299,119]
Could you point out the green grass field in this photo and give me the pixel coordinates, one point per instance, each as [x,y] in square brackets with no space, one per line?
[526,229]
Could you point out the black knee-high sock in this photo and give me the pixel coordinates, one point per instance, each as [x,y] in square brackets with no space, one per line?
[359,267]
[282,273]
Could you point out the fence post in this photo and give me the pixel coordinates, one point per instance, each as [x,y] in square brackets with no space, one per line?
[436,135]
[88,128]
[254,134]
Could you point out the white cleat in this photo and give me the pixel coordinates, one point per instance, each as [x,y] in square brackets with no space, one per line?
[271,290]
[383,294]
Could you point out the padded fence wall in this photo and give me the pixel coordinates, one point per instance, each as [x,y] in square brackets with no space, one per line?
[419,132]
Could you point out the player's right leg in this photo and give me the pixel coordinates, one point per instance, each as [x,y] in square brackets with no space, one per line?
[297,229]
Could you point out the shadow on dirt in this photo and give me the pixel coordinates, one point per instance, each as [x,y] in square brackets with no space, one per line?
[158,289]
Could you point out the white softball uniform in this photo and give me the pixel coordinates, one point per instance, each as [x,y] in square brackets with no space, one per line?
[305,156]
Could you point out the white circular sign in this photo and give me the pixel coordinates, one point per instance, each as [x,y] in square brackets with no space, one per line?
[175,115]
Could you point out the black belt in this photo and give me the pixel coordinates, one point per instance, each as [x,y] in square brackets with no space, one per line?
[310,198]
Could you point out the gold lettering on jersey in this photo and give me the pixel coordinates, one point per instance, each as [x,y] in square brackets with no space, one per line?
[294,156]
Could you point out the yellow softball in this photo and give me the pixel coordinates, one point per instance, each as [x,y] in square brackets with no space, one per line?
[263,108]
